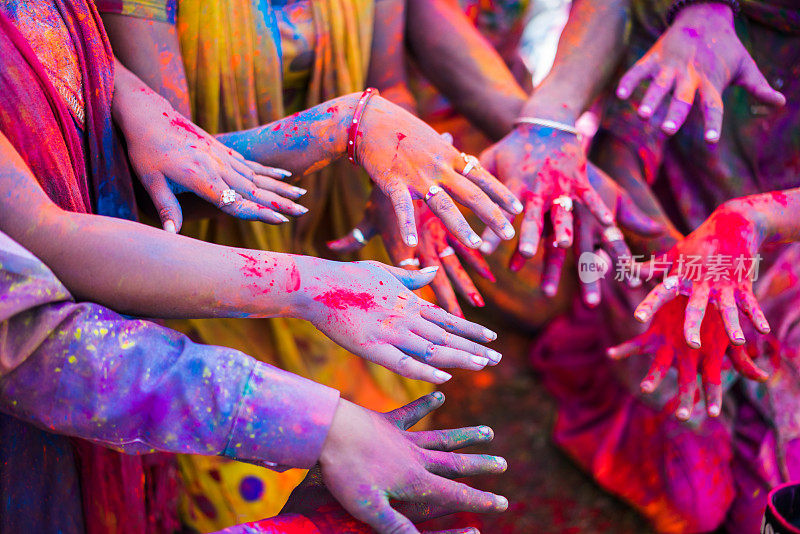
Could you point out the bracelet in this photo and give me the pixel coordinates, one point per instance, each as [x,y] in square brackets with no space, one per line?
[555,125]
[355,125]
[678,5]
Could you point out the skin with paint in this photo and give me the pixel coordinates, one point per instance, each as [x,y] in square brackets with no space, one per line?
[414,468]
[698,54]
[367,307]
[170,154]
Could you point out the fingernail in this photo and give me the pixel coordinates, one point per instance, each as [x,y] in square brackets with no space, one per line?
[682,414]
[502,502]
[764,327]
[494,355]
[411,240]
[281,217]
[549,290]
[428,270]
[622,93]
[441,376]
[641,316]
[474,240]
[479,360]
[488,334]
[648,387]
[712,135]
[694,341]
[438,395]
[634,282]
[592,299]
[169,226]
[476,300]
[669,126]
[486,247]
[508,231]
[645,110]
[302,209]
[283,172]
[527,249]
[485,430]
[738,338]
[713,410]
[517,206]
[299,190]
[501,462]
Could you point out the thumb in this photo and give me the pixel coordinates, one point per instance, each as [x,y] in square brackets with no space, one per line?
[165,201]
[409,415]
[413,279]
[756,84]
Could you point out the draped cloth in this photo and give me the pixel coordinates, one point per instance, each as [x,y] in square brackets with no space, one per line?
[85,174]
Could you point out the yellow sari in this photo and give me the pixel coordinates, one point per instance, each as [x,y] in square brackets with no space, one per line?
[236,56]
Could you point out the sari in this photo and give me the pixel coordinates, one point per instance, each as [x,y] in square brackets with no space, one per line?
[83,168]
[248,63]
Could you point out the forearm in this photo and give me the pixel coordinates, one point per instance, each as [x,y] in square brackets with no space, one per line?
[589,51]
[774,214]
[137,387]
[387,64]
[453,55]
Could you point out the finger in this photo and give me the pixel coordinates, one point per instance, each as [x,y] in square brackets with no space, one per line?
[445,296]
[458,496]
[562,225]
[687,386]
[442,205]
[471,196]
[745,366]
[495,190]
[752,309]
[680,105]
[617,249]
[268,199]
[456,325]
[461,280]
[404,210]
[250,211]
[592,200]
[584,241]
[729,312]
[452,440]
[658,89]
[659,367]
[660,295]
[554,258]
[355,240]
[454,465]
[375,511]
[437,355]
[711,373]
[532,223]
[640,71]
[632,347]
[281,188]
[473,258]
[165,202]
[695,311]
[630,217]
[757,85]
[438,335]
[412,279]
[412,413]
[405,365]
[265,170]
[711,105]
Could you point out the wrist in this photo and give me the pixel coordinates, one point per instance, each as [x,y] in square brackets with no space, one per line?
[338,431]
[745,209]
[690,12]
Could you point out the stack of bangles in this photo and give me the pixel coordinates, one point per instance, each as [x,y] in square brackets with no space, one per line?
[355,125]
[547,123]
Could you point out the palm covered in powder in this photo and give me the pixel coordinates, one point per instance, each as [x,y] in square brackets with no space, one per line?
[369,309]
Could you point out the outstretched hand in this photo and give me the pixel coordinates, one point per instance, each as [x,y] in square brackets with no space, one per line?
[369,309]
[370,458]
[699,53]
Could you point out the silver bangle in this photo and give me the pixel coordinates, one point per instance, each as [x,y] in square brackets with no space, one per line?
[547,124]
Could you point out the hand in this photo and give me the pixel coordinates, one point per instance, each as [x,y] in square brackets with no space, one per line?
[592,236]
[367,308]
[405,158]
[662,340]
[541,165]
[435,240]
[171,155]
[700,52]
[369,458]
[714,263]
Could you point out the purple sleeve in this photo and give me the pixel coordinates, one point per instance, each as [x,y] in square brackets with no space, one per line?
[83,370]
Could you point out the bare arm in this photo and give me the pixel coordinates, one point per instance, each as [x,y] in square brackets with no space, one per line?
[387,66]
